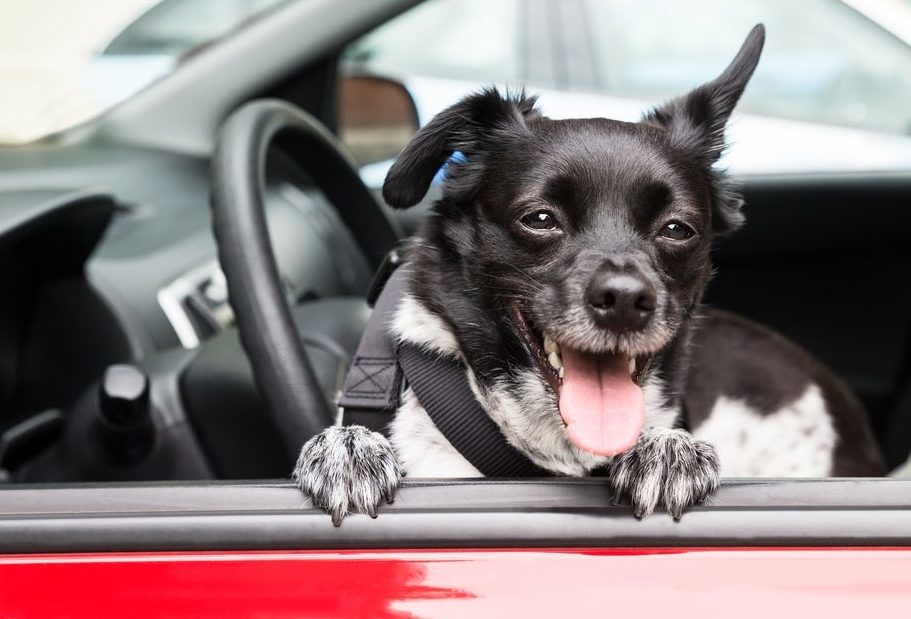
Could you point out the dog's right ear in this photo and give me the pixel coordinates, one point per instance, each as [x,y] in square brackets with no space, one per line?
[695,123]
[470,127]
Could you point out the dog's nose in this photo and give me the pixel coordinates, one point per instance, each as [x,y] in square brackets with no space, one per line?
[621,301]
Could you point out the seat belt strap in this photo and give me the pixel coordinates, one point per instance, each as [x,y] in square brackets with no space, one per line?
[370,394]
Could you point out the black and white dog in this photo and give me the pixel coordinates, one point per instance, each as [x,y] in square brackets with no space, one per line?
[564,265]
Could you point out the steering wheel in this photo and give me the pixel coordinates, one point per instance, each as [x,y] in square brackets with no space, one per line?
[267,331]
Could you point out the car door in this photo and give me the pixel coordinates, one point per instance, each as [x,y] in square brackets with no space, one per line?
[476,548]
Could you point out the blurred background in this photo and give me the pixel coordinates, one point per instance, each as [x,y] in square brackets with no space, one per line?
[835,78]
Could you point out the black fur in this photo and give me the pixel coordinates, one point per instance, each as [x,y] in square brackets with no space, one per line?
[612,188]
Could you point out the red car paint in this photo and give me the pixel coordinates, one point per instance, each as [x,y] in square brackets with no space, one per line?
[549,583]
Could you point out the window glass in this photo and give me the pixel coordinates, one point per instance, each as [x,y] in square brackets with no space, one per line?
[825,62]
[832,92]
[65,62]
[463,39]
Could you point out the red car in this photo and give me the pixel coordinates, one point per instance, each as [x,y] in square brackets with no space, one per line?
[131,416]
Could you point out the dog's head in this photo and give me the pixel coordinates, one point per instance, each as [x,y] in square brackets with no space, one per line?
[590,238]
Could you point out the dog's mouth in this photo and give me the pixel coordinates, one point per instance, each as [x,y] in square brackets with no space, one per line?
[599,394]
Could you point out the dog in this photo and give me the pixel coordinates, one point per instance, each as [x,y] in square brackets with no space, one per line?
[564,265]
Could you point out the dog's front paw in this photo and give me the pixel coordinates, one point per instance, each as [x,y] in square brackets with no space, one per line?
[665,466]
[348,468]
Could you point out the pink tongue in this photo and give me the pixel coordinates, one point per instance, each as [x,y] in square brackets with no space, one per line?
[601,405]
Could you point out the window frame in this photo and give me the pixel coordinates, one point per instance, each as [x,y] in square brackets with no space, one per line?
[448,514]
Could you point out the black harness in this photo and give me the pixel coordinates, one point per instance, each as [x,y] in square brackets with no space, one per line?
[382,368]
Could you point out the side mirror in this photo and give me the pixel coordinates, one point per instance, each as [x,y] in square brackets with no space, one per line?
[376,117]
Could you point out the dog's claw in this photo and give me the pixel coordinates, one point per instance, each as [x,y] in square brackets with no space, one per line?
[642,511]
[665,466]
[345,469]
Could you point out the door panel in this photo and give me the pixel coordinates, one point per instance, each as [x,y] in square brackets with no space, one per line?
[697,582]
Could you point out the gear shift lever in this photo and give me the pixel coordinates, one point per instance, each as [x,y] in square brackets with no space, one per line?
[124,428]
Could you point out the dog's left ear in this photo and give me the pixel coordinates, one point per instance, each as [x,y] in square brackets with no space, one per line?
[472,127]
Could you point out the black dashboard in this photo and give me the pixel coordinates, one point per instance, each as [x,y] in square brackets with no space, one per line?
[55,329]
[147,280]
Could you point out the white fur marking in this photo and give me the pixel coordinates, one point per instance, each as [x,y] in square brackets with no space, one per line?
[797,440]
[657,413]
[413,323]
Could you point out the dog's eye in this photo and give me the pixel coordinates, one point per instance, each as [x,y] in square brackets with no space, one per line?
[677,231]
[539,220]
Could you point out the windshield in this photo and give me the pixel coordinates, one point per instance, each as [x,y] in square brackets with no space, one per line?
[64,62]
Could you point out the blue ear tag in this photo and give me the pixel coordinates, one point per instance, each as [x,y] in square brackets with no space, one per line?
[456,157]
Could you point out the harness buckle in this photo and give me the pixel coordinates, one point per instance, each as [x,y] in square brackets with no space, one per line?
[391,261]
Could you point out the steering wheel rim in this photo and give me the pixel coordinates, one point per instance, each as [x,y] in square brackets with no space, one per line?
[267,331]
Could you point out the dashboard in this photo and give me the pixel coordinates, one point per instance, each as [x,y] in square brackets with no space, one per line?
[152,266]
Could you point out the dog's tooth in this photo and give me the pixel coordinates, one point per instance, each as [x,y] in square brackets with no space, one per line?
[632,366]
[550,345]
[560,372]
[555,361]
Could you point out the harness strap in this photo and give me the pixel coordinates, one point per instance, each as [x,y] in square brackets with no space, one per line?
[370,395]
[441,386]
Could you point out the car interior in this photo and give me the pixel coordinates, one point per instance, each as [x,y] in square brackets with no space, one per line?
[185,274]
